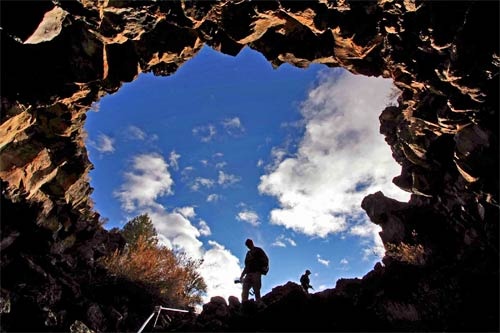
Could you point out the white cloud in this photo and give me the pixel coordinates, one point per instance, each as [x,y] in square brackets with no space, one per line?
[344,261]
[219,269]
[95,107]
[187,170]
[226,179]
[176,230]
[213,197]
[278,243]
[205,133]
[204,228]
[148,180]
[322,261]
[174,160]
[341,159]
[260,163]
[371,231]
[323,287]
[219,154]
[278,154]
[282,240]
[233,126]
[104,144]
[136,133]
[202,182]
[291,241]
[187,212]
[248,216]
[220,165]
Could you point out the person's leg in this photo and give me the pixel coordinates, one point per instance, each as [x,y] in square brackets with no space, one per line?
[245,288]
[257,285]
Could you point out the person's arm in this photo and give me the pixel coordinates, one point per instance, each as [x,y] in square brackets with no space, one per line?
[245,270]
[243,273]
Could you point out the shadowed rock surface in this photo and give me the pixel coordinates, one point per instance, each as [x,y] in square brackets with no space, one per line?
[441,267]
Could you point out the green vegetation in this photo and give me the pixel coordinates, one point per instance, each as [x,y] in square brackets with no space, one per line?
[140,226]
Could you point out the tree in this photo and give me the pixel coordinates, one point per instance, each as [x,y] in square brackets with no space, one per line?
[141,225]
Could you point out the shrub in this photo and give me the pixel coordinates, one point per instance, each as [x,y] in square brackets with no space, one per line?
[173,275]
[412,254]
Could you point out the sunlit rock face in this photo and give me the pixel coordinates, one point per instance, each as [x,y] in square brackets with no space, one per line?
[440,271]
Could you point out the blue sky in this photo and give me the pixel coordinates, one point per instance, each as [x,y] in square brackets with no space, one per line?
[229,148]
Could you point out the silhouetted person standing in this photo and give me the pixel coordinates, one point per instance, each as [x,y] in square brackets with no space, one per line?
[305,282]
[256,264]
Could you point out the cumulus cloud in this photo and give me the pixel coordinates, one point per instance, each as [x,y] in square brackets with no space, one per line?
[176,230]
[367,230]
[340,159]
[174,160]
[220,165]
[187,171]
[226,179]
[248,216]
[148,180]
[205,133]
[233,126]
[104,144]
[278,243]
[212,197]
[219,269]
[204,228]
[136,133]
[278,154]
[322,261]
[344,261]
[187,212]
[202,182]
[282,241]
[323,287]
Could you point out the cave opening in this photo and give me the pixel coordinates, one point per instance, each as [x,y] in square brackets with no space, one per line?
[444,133]
[229,148]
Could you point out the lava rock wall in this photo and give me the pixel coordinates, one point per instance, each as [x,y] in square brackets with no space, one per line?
[440,271]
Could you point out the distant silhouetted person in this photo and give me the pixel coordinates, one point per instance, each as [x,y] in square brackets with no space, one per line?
[305,282]
[256,264]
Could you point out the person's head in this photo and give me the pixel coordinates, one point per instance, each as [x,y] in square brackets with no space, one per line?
[308,272]
[249,243]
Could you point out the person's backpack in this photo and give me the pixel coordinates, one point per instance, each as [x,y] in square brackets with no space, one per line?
[264,263]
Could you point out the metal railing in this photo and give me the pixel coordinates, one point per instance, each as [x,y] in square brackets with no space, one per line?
[157,310]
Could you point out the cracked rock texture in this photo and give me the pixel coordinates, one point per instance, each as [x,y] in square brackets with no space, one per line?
[441,267]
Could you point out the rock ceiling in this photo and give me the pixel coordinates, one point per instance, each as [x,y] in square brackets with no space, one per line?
[58,58]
